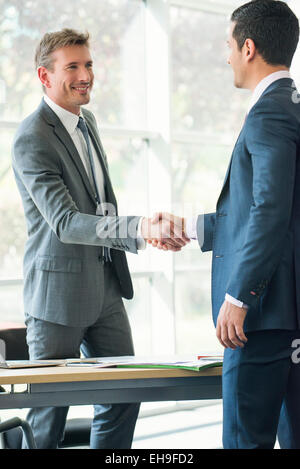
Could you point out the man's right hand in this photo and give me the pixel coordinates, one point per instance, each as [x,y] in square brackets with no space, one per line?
[165,231]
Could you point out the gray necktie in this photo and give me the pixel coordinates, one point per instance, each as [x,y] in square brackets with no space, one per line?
[89,161]
[91,173]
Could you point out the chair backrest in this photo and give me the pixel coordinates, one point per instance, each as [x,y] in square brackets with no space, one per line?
[12,439]
[15,343]
[77,431]
[15,349]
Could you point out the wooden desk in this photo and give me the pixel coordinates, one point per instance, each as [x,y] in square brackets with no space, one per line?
[60,386]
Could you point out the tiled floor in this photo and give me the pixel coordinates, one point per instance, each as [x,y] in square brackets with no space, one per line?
[185,428]
[195,428]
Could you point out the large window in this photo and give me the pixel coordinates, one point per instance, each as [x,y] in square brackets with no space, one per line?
[207,113]
[203,97]
[168,115]
[116,28]
[117,31]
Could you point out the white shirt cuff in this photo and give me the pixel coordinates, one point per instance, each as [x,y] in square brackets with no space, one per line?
[191,227]
[140,242]
[235,302]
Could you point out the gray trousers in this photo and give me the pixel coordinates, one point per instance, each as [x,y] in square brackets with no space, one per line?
[113,425]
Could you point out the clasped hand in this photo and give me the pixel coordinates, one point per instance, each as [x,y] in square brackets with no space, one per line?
[165,231]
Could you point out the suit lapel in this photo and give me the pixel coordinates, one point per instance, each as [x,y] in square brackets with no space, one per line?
[270,88]
[287,82]
[64,137]
[229,166]
[62,134]
[110,196]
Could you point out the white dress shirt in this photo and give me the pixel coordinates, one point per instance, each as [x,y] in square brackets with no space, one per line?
[264,84]
[191,223]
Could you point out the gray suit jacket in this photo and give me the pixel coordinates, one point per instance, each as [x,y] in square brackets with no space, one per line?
[62,261]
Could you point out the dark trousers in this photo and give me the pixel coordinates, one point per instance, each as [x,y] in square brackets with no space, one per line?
[261,392]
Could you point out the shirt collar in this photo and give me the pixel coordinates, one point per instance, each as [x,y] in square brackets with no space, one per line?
[264,84]
[67,118]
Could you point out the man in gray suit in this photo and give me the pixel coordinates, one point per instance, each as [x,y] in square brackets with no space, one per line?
[75,268]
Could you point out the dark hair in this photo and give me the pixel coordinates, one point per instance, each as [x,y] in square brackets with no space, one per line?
[272,26]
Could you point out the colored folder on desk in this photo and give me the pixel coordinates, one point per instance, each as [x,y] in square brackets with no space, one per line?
[196,365]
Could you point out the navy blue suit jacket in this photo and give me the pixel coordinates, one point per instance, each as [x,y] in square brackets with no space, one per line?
[255,232]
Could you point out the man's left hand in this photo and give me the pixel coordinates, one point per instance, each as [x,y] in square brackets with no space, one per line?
[230,323]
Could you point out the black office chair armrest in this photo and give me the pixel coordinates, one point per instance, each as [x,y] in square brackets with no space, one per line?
[15,423]
[77,431]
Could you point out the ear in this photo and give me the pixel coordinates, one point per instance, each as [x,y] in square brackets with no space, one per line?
[43,74]
[249,49]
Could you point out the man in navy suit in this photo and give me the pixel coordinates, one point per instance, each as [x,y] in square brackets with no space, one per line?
[254,236]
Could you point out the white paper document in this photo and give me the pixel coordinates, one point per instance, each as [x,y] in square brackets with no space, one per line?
[191,362]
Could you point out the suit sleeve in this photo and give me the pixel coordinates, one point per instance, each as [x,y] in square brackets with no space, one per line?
[205,231]
[272,139]
[38,168]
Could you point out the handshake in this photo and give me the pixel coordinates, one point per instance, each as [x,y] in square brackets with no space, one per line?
[165,231]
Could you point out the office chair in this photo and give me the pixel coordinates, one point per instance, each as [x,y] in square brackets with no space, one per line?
[16,425]
[77,431]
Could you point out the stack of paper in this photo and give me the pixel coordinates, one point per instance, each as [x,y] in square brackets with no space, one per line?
[196,365]
[190,363]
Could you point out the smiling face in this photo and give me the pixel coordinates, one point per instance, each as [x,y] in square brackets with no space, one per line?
[71,78]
